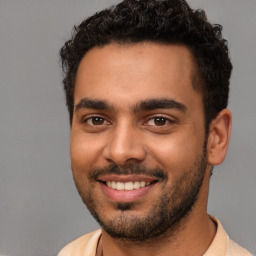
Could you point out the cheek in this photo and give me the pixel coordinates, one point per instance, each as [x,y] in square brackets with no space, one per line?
[84,151]
[176,151]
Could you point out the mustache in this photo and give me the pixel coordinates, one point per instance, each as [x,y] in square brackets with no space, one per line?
[156,173]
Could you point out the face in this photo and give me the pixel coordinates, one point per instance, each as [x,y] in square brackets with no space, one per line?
[138,146]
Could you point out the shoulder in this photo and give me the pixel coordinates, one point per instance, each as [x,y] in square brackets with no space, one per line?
[233,249]
[223,245]
[84,245]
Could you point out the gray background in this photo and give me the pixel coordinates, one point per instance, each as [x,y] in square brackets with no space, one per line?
[40,210]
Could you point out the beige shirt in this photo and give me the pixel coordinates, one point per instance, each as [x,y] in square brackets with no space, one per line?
[221,245]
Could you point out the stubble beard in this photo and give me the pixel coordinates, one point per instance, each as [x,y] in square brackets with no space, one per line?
[165,215]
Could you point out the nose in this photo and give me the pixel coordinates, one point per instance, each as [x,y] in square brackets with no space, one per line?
[125,146]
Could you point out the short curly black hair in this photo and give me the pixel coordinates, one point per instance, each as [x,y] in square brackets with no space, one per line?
[159,21]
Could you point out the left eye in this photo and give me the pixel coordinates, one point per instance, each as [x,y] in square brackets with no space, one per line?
[158,121]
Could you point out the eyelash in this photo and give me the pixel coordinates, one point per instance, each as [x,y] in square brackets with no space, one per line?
[91,118]
[163,119]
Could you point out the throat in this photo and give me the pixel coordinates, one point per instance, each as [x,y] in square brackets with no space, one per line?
[183,242]
[99,250]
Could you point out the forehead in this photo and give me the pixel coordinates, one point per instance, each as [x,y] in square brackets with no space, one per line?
[138,71]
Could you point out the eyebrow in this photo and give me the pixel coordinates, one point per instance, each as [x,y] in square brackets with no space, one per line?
[146,105]
[163,103]
[92,104]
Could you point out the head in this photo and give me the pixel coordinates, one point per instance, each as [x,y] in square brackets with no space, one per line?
[163,22]
[146,86]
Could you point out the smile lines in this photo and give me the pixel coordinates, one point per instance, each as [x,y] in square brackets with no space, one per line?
[127,185]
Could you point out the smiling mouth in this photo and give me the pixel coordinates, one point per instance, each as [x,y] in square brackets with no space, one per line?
[127,186]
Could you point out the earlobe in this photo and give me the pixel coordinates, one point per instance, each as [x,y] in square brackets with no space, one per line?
[218,139]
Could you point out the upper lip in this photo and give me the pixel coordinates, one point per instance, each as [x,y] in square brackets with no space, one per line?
[126,178]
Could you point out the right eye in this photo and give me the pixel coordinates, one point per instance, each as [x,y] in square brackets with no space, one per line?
[95,121]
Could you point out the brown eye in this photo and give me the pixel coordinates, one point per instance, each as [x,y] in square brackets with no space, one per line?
[159,121]
[95,120]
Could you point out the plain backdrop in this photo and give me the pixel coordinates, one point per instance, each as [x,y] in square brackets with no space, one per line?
[40,210]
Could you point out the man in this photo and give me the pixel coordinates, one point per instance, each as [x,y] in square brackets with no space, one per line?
[147,87]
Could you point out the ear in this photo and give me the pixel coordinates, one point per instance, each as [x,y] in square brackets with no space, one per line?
[218,139]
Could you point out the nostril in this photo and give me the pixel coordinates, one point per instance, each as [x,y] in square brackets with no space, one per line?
[123,148]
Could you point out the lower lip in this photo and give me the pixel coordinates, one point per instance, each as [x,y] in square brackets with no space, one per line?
[125,195]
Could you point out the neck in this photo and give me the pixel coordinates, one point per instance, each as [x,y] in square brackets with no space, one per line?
[192,240]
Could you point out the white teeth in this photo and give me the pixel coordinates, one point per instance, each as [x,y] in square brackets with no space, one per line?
[127,185]
[120,186]
[136,184]
[113,185]
[142,184]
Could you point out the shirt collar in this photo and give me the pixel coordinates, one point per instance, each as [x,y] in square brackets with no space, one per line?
[220,241]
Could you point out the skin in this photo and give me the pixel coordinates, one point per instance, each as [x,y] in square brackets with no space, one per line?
[123,77]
